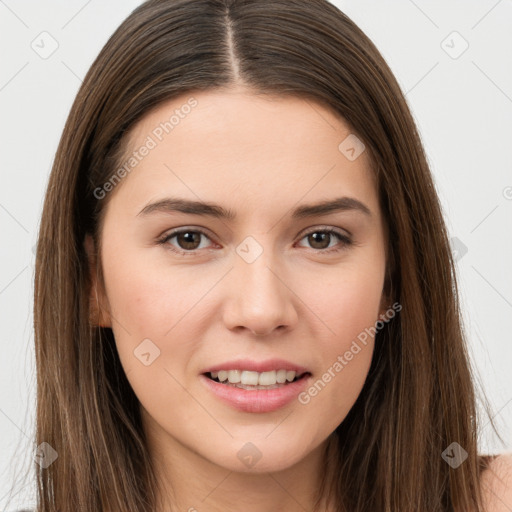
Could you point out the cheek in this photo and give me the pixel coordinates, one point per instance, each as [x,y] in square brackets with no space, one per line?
[345,300]
[330,395]
[146,298]
[148,303]
[343,370]
[154,335]
[347,308]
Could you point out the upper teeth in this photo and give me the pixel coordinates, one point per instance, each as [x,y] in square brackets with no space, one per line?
[255,378]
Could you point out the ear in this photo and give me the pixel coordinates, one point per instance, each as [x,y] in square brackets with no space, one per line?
[98,304]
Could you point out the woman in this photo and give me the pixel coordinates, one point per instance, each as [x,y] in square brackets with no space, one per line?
[261,369]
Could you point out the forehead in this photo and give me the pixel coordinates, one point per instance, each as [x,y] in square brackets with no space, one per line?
[224,146]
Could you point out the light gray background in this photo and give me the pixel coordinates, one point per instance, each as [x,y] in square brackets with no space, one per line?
[462,104]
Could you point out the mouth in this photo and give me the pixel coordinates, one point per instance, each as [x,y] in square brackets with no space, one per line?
[250,391]
[252,380]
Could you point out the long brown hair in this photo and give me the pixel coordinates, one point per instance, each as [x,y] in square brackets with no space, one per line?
[419,396]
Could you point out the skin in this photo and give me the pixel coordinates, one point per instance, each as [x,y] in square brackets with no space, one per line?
[497,485]
[260,157]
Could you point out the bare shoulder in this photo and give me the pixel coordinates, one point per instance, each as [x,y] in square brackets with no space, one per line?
[496,484]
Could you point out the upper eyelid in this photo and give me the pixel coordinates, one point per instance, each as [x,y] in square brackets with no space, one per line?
[338,230]
[206,231]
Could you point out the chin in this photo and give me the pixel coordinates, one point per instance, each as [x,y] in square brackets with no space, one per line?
[261,455]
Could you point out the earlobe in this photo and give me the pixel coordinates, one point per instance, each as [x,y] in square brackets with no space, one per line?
[98,313]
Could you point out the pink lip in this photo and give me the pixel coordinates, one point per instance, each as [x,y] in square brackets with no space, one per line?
[257,366]
[257,400]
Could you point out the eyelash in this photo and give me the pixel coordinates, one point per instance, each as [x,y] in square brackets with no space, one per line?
[346,241]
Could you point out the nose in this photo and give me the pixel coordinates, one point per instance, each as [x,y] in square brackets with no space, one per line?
[260,298]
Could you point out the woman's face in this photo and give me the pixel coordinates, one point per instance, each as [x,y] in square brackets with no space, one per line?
[264,289]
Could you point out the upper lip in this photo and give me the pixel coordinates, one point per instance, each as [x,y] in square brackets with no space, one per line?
[257,366]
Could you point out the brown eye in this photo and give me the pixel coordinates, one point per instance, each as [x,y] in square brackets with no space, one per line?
[187,240]
[320,240]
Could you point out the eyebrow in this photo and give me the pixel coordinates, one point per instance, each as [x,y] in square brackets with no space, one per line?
[171,205]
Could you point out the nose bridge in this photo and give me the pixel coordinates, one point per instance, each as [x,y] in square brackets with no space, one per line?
[260,299]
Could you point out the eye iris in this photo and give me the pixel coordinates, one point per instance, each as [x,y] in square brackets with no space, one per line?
[319,235]
[188,237]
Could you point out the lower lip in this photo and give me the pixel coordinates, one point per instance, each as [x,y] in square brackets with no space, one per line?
[256,400]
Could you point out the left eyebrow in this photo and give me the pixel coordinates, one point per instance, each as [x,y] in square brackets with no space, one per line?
[170,205]
[341,204]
